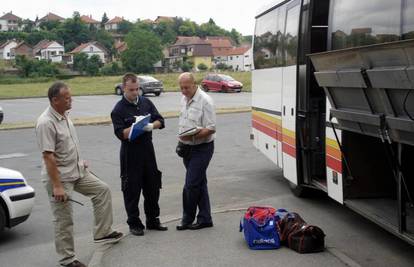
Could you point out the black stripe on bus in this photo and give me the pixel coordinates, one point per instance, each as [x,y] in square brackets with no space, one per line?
[271,9]
[22,197]
[278,113]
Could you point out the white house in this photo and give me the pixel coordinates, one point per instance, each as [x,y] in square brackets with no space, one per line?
[9,22]
[92,48]
[5,49]
[113,24]
[49,50]
[240,58]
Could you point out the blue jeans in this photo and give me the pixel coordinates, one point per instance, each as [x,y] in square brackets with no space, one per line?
[195,192]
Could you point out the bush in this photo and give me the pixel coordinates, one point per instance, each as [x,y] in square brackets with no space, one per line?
[35,68]
[111,69]
[202,67]
[222,66]
[93,64]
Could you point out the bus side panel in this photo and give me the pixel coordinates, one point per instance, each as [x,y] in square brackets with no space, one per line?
[266,121]
[289,124]
[333,162]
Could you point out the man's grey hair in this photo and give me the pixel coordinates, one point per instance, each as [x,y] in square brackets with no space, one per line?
[54,90]
[187,75]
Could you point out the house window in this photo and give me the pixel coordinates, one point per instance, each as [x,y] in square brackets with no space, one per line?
[8,54]
[91,49]
[231,58]
[53,53]
[60,52]
[246,56]
[237,56]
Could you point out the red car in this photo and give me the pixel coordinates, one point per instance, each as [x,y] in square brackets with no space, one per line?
[221,83]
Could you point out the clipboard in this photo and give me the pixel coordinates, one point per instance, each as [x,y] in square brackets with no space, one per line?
[137,127]
[191,131]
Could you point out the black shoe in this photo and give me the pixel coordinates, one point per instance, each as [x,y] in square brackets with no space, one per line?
[182,227]
[136,231]
[198,226]
[158,227]
[75,263]
[113,237]
[155,224]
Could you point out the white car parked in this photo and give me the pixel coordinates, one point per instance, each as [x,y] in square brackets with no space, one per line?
[16,198]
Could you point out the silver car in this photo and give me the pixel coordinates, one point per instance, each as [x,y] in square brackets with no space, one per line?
[147,84]
[1,115]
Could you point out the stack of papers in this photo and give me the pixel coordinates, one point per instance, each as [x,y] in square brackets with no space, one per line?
[137,127]
[191,131]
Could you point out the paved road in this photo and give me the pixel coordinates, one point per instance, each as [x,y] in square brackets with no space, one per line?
[28,109]
[239,176]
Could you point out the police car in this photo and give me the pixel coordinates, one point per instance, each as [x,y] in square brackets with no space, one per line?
[16,198]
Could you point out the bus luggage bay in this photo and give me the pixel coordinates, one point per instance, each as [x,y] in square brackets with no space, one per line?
[342,119]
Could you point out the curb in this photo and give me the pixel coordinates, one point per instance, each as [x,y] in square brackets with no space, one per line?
[102,120]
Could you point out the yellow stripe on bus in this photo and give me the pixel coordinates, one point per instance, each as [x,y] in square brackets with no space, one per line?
[332,143]
[266,117]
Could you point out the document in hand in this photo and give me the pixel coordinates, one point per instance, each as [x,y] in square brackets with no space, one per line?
[191,131]
[137,127]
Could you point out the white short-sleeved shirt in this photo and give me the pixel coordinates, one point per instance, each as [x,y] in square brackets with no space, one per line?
[198,112]
[56,133]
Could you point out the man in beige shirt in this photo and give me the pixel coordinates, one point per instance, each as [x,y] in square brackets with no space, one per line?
[64,171]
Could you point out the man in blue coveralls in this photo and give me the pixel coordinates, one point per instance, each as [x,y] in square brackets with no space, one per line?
[139,169]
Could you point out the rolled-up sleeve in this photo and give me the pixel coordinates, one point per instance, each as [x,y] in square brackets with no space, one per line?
[46,136]
[209,116]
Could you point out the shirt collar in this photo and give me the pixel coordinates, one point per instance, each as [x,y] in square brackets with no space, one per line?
[196,96]
[57,115]
[132,102]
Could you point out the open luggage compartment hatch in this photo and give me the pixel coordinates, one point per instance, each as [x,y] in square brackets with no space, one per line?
[371,92]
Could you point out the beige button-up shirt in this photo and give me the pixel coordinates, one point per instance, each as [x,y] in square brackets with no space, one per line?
[56,133]
[199,111]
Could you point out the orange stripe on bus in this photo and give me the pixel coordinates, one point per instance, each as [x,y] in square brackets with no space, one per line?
[333,152]
[289,140]
[266,122]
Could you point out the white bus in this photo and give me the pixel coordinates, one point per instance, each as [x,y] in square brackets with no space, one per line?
[340,119]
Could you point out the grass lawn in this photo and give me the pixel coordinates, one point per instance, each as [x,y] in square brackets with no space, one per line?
[103,85]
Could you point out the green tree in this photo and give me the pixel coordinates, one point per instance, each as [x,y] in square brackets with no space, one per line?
[144,49]
[124,27]
[93,64]
[49,25]
[165,32]
[104,20]
[80,62]
[73,30]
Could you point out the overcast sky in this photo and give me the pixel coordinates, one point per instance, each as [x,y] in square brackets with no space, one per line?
[228,14]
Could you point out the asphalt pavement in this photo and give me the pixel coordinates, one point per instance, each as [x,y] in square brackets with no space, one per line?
[238,176]
[29,109]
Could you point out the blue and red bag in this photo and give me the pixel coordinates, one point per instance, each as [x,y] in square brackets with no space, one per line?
[260,227]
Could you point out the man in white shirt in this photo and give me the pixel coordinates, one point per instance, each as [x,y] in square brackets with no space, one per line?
[197,112]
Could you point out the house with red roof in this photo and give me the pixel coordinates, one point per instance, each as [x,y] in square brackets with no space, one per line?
[113,24]
[49,17]
[5,49]
[22,49]
[90,21]
[49,50]
[9,22]
[92,48]
[240,58]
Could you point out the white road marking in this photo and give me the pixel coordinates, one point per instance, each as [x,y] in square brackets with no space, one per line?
[13,155]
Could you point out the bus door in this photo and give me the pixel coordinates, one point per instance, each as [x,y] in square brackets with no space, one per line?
[289,73]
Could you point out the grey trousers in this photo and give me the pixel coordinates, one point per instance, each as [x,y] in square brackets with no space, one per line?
[100,195]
